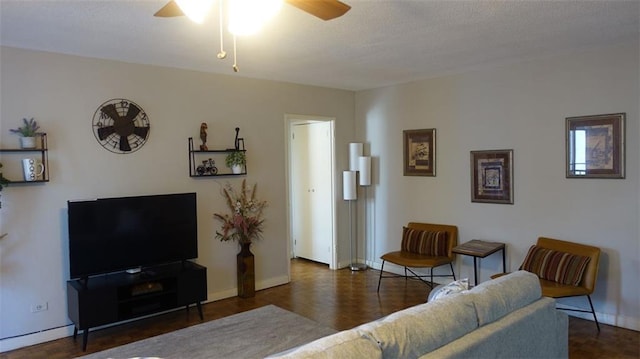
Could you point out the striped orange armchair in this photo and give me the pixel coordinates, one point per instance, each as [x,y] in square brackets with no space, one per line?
[565,269]
[424,245]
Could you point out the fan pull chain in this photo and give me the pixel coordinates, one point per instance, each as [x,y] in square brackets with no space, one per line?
[235,57]
[222,54]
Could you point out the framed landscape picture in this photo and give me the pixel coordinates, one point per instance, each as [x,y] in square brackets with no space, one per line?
[595,146]
[492,176]
[419,152]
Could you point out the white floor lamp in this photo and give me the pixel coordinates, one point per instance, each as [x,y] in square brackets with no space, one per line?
[364,165]
[355,152]
[350,193]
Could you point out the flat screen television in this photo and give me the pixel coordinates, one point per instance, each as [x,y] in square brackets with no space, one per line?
[115,234]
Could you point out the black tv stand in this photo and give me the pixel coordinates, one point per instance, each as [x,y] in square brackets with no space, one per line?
[120,296]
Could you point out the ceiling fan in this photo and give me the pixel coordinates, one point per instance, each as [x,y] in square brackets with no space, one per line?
[323,9]
[240,23]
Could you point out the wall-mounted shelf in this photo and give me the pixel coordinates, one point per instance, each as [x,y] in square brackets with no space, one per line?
[41,149]
[210,163]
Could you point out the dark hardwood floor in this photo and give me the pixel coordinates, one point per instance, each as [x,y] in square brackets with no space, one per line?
[339,299]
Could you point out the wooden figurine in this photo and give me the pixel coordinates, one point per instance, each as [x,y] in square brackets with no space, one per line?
[203,136]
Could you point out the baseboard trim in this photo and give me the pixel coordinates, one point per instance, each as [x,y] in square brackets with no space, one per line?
[604,318]
[35,338]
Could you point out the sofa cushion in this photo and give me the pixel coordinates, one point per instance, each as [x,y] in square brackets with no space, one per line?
[556,266]
[430,243]
[496,298]
[345,344]
[414,331]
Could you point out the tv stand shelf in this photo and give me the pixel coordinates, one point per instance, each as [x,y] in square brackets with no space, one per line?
[120,296]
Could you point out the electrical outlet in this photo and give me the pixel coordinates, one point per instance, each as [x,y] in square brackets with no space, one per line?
[40,307]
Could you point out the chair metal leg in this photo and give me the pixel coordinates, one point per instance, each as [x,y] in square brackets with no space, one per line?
[380,278]
[593,312]
[415,275]
[452,272]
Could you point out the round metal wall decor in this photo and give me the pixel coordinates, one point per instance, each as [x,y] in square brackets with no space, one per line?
[121,126]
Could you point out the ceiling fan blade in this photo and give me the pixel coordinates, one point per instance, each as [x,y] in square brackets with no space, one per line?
[324,9]
[104,132]
[124,144]
[110,111]
[170,10]
[141,132]
[132,113]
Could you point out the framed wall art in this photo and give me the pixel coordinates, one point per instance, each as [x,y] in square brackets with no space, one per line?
[420,152]
[492,176]
[595,146]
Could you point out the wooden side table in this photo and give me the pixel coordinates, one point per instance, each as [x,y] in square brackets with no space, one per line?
[479,249]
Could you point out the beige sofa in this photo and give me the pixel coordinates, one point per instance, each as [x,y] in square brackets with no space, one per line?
[502,318]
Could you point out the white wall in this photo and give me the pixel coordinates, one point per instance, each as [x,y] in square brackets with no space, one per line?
[63,92]
[521,107]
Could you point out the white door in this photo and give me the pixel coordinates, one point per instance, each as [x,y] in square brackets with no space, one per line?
[311,190]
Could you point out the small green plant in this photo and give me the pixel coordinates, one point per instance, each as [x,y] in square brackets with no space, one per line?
[235,158]
[29,129]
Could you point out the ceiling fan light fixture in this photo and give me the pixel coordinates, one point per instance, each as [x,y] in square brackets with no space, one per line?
[246,17]
[196,10]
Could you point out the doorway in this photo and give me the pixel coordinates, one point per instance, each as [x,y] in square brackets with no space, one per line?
[311,188]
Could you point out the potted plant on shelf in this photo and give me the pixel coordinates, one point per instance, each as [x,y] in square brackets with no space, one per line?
[236,160]
[244,224]
[28,131]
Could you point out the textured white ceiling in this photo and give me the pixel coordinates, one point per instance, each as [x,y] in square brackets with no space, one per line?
[377,43]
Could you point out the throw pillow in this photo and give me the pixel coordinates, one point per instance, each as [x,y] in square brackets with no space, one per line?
[557,266]
[430,243]
[442,291]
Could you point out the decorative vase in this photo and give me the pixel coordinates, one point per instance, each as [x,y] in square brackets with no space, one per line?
[246,272]
[236,169]
[27,142]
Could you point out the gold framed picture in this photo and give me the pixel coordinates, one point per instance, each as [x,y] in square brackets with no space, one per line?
[492,176]
[419,152]
[595,146]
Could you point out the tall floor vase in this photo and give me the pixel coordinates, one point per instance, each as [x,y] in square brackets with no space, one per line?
[246,272]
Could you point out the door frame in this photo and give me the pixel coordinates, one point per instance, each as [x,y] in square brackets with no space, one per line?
[290,121]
